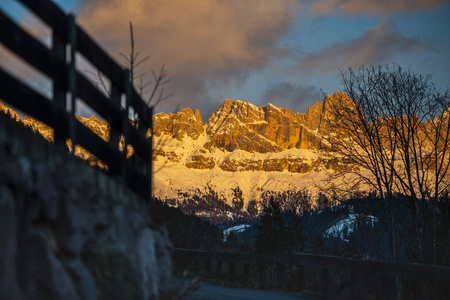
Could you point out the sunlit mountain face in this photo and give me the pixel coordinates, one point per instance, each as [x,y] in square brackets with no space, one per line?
[227,167]
[242,151]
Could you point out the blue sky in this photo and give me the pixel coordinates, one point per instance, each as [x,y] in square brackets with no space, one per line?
[282,52]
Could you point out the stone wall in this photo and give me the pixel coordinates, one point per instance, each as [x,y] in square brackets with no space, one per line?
[69,231]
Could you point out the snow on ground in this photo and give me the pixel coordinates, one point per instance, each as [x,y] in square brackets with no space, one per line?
[237,229]
[172,177]
[345,227]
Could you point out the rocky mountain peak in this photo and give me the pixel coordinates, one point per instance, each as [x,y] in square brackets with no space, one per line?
[311,119]
[271,128]
[232,127]
[242,111]
[317,116]
[185,123]
[198,116]
[335,100]
[241,125]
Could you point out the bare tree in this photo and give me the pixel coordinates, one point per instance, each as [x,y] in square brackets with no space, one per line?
[156,93]
[396,128]
[133,62]
[151,91]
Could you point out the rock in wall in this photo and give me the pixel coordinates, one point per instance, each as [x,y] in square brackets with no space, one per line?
[69,231]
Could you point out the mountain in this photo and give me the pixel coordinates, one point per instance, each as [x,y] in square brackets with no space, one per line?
[239,125]
[256,149]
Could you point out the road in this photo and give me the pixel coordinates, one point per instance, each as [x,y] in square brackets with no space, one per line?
[218,292]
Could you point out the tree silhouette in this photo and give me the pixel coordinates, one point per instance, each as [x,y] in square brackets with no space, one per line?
[238,200]
[271,232]
[252,208]
[352,248]
[295,238]
[395,125]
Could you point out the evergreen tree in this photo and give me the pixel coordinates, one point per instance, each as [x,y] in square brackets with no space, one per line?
[351,247]
[252,208]
[238,200]
[237,244]
[323,201]
[294,235]
[271,232]
[319,246]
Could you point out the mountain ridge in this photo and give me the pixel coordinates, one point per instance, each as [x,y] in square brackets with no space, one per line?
[241,145]
[242,125]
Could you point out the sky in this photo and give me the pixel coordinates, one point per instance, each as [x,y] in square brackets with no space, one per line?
[283,52]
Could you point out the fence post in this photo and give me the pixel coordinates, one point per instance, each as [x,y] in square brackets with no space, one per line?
[125,122]
[246,274]
[232,273]
[219,269]
[207,264]
[383,289]
[59,94]
[262,271]
[280,277]
[417,289]
[72,79]
[150,164]
[326,282]
[301,277]
[441,289]
[197,266]
[114,136]
[353,286]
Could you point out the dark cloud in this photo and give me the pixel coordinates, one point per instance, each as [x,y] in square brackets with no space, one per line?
[296,98]
[378,45]
[202,43]
[371,7]
[188,91]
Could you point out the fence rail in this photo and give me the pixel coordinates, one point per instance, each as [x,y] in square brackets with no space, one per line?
[419,274]
[68,39]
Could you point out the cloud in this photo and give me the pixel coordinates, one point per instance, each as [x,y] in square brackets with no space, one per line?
[202,42]
[371,7]
[297,98]
[378,45]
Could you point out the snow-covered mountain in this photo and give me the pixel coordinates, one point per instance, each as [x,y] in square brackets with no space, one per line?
[255,149]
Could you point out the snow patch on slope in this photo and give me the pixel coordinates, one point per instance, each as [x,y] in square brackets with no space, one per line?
[173,177]
[236,229]
[343,228]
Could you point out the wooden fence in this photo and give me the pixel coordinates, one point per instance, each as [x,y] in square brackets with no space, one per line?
[419,279]
[58,63]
